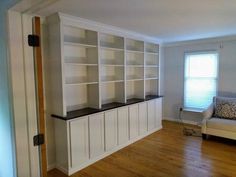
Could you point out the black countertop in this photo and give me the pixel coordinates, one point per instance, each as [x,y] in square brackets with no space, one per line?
[105,107]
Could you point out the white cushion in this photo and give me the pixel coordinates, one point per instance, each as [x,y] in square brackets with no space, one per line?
[222,124]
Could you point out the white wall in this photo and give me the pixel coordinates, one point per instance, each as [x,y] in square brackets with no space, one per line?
[174,72]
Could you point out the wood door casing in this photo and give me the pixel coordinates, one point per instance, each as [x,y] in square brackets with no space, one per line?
[40,94]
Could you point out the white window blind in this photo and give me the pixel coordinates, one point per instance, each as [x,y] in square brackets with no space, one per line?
[200,79]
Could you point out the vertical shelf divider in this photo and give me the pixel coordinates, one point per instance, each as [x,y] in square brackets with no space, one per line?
[125,63]
[99,72]
[144,70]
[159,70]
[62,40]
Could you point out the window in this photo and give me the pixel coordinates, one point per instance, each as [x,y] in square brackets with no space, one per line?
[200,79]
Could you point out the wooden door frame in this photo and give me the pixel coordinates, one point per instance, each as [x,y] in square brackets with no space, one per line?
[40,93]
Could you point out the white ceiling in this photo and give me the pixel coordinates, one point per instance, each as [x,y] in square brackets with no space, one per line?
[166,20]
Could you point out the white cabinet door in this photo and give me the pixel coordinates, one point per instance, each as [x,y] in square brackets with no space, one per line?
[79,141]
[110,129]
[158,112]
[142,108]
[133,121]
[96,134]
[151,114]
[123,125]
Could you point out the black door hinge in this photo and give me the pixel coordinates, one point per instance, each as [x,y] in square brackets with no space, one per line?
[38,139]
[33,40]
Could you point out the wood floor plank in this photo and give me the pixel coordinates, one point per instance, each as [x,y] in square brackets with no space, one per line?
[167,153]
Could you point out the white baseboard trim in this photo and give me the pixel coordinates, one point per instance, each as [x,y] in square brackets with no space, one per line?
[51,166]
[62,169]
[183,121]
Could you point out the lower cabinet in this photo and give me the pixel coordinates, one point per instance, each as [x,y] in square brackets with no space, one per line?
[158,112]
[79,141]
[154,113]
[110,129]
[151,114]
[96,134]
[123,125]
[133,121]
[142,113]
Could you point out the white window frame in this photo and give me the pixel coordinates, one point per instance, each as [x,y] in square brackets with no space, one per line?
[217,76]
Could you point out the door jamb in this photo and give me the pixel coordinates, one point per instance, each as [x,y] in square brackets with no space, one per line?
[23,94]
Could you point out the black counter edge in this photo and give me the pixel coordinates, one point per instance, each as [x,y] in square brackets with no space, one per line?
[94,111]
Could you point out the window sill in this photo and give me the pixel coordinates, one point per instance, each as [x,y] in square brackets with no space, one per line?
[194,110]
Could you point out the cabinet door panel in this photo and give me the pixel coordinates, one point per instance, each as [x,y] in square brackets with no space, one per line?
[123,125]
[133,121]
[79,141]
[96,134]
[151,114]
[110,129]
[158,112]
[142,108]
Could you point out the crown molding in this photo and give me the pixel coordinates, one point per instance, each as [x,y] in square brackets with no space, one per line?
[201,41]
[100,27]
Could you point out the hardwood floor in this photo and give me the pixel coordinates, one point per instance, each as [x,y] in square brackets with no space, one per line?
[167,153]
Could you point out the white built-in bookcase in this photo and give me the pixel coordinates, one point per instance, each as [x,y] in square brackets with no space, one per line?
[91,67]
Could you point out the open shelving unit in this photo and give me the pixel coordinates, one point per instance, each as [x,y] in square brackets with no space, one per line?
[80,55]
[104,89]
[93,69]
[134,70]
[81,96]
[151,70]
[112,73]
[151,87]
[133,45]
[111,57]
[151,48]
[134,73]
[135,89]
[111,41]
[80,74]
[134,59]
[112,92]
[80,68]
[79,36]
[151,59]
